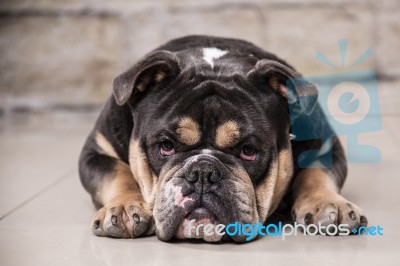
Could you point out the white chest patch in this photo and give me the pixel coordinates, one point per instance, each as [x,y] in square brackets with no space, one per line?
[210,54]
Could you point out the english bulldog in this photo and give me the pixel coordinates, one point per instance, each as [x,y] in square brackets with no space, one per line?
[200,129]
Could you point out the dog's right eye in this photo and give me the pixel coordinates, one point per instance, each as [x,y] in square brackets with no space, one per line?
[167,148]
[248,153]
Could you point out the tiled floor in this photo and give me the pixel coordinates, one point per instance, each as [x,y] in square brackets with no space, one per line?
[45,212]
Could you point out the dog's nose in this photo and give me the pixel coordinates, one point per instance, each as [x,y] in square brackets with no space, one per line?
[203,170]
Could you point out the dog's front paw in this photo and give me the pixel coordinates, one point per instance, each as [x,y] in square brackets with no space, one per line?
[123,219]
[330,208]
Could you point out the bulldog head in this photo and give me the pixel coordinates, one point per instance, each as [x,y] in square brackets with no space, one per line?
[211,136]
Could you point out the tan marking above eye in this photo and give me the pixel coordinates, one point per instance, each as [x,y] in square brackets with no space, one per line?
[228,134]
[188,131]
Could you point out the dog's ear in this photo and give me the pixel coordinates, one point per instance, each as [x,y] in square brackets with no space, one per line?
[300,94]
[149,71]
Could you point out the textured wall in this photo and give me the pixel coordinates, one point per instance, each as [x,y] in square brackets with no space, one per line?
[64,53]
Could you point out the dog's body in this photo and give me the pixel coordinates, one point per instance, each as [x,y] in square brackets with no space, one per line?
[199,129]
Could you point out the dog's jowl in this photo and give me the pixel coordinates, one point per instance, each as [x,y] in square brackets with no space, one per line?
[199,130]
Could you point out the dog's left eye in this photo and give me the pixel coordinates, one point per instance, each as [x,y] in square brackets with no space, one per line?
[167,148]
[248,153]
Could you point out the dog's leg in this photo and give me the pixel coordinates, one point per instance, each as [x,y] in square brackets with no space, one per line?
[123,212]
[317,199]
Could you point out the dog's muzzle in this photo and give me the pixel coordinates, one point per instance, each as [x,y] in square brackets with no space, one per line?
[204,191]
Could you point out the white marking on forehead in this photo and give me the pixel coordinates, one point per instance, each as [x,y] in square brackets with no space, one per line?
[210,54]
[195,158]
[206,151]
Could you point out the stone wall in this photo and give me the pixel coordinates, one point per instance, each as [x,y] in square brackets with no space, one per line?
[63,54]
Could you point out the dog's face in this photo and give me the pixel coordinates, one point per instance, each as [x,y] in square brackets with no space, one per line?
[211,137]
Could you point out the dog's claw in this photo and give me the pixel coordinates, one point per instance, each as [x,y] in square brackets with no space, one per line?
[136,217]
[363,221]
[352,215]
[307,218]
[114,219]
[96,224]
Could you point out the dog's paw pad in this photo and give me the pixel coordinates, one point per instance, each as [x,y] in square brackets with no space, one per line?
[140,219]
[324,211]
[123,220]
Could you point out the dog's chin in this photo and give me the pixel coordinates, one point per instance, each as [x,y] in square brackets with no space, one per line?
[197,224]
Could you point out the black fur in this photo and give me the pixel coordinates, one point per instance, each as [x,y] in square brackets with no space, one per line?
[147,115]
